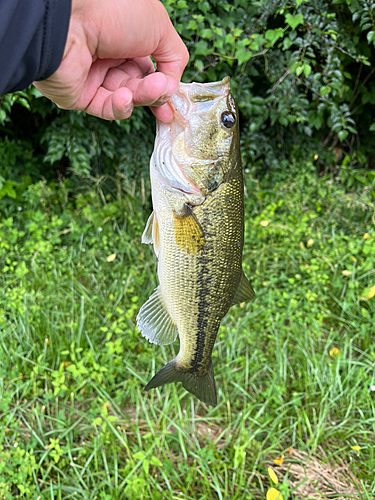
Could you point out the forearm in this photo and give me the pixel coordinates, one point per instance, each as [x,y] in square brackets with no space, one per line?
[32,40]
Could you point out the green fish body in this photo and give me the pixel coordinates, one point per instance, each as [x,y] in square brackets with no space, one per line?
[197,230]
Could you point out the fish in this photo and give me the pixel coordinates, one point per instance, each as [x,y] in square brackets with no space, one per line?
[197,232]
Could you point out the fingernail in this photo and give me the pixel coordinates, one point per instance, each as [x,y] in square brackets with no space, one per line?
[166,90]
[129,103]
[128,106]
[162,101]
[166,96]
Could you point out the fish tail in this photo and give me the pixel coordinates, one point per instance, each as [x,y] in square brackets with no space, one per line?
[202,386]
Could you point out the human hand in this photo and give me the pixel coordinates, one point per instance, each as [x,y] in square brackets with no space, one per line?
[106,69]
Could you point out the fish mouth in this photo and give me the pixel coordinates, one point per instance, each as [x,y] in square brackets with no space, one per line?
[197,98]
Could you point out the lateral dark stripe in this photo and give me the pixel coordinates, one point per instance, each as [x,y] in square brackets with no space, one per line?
[203,312]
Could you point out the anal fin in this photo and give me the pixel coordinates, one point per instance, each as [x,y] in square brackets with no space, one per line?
[244,291]
[154,322]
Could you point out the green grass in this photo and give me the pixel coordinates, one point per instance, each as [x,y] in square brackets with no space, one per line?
[75,421]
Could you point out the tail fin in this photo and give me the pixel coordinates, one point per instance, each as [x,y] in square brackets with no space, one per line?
[202,386]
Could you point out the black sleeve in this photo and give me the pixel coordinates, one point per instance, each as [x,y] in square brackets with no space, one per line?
[32,40]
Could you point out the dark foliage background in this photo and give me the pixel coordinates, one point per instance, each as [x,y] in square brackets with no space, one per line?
[302,73]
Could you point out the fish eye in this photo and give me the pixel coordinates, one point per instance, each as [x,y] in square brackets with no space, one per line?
[228,119]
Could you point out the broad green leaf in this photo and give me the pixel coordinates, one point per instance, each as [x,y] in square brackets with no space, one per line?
[342,135]
[293,67]
[206,33]
[274,35]
[181,4]
[7,189]
[307,69]
[294,21]
[155,461]
[145,465]
[299,70]
[325,90]
[243,55]
[201,48]
[287,42]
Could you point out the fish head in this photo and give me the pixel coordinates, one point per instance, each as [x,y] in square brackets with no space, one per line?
[196,152]
[205,132]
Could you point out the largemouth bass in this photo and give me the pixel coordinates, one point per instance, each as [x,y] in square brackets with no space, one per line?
[197,229]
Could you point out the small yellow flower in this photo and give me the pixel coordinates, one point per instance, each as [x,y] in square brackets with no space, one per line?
[371,293]
[111,257]
[334,352]
[272,475]
[366,236]
[346,272]
[274,494]
[310,242]
[355,448]
[264,223]
[316,156]
[279,460]
[354,259]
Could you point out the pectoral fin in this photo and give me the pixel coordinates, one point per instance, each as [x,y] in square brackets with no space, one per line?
[151,232]
[244,291]
[188,232]
[147,233]
[154,322]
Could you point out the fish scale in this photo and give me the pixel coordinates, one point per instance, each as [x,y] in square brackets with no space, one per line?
[199,235]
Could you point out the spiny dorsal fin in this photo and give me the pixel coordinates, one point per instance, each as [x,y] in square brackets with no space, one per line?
[188,232]
[151,232]
[244,291]
[154,322]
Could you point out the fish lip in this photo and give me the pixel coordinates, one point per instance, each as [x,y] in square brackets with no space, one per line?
[186,93]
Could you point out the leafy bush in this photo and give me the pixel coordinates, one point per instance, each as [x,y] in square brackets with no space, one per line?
[301,74]
[301,70]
